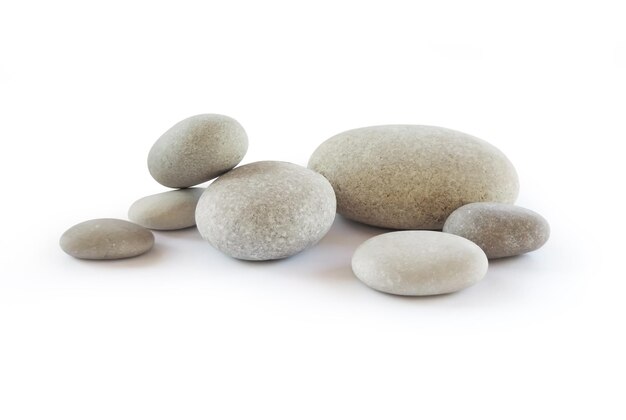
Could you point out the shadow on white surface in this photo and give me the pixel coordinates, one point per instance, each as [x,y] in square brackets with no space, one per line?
[156,255]
[330,259]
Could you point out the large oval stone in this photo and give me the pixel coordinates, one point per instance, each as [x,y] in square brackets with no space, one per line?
[412,176]
[106,239]
[197,149]
[501,230]
[419,263]
[266,210]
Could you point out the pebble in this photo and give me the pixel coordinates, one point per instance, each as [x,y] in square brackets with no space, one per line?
[169,210]
[412,176]
[419,263]
[196,150]
[266,210]
[501,230]
[106,239]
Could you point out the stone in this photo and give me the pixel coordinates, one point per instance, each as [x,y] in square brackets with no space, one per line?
[419,263]
[168,210]
[196,150]
[501,230]
[106,239]
[412,176]
[266,210]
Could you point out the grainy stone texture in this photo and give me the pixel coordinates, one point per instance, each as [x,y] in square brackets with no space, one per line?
[169,210]
[266,210]
[106,239]
[196,150]
[419,263]
[501,230]
[412,176]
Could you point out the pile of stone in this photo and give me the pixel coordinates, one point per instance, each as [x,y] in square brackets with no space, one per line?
[450,196]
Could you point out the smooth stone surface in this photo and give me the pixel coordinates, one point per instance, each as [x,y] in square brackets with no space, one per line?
[419,263]
[169,210]
[412,176]
[266,210]
[501,230]
[106,239]
[196,150]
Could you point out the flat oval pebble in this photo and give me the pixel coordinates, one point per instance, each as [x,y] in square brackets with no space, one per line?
[419,263]
[501,230]
[169,210]
[196,150]
[106,239]
[266,210]
[412,176]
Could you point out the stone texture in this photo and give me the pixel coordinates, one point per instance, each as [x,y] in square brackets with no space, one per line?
[266,210]
[501,230]
[419,263]
[412,176]
[106,239]
[196,150]
[169,210]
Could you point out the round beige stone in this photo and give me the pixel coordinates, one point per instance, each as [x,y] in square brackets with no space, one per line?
[419,263]
[412,176]
[266,210]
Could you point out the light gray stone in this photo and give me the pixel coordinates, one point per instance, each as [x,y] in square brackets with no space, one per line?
[196,150]
[168,210]
[106,239]
[419,263]
[412,176]
[266,210]
[501,230]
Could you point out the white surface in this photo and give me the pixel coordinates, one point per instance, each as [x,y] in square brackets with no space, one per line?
[187,333]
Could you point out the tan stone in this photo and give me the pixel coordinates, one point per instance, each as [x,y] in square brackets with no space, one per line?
[412,176]
[106,239]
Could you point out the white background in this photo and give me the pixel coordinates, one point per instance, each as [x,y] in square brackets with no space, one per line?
[185,332]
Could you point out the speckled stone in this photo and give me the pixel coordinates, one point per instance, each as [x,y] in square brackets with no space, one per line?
[501,230]
[106,239]
[412,176]
[196,150]
[419,263]
[266,210]
[169,210]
